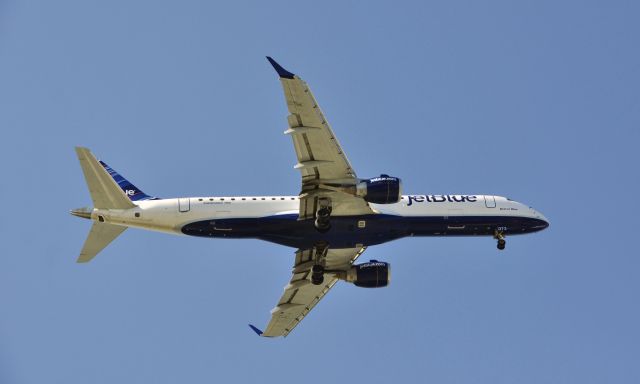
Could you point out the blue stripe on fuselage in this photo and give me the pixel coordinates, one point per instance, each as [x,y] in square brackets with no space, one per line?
[345,231]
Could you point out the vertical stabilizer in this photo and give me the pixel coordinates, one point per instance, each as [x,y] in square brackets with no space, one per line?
[105,192]
[133,193]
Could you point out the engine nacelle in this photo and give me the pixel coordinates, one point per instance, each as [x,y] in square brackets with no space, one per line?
[380,190]
[373,274]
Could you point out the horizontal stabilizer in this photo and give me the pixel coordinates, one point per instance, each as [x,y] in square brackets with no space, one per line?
[100,236]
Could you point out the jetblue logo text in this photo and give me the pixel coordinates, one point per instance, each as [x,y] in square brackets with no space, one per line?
[383,179]
[441,199]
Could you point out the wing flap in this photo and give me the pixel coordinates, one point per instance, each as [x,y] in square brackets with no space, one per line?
[286,317]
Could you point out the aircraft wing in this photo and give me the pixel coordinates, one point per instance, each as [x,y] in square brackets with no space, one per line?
[321,159]
[300,296]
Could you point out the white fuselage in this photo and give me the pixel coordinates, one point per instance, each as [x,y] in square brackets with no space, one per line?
[171,215]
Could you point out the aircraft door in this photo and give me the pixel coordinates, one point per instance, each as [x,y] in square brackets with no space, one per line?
[490,201]
[184,204]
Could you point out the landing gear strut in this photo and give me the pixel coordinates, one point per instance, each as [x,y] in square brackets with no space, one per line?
[323,215]
[317,270]
[498,235]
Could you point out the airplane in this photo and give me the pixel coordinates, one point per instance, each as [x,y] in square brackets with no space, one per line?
[330,223]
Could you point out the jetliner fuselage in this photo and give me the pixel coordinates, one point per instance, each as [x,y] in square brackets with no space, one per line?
[275,219]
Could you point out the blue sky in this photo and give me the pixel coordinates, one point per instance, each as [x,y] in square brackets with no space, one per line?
[533,100]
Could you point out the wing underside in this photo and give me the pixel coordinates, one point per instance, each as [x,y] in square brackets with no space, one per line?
[300,295]
[321,159]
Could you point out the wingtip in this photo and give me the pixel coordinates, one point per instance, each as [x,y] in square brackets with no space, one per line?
[255,329]
[83,259]
[283,73]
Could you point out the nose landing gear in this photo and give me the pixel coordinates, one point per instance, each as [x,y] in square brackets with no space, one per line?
[498,235]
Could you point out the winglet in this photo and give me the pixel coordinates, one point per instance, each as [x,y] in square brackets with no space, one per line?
[256,330]
[283,73]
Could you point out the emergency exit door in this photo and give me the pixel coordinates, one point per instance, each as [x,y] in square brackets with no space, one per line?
[184,204]
[490,201]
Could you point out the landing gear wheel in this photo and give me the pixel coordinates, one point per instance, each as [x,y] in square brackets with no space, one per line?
[322,227]
[322,222]
[499,235]
[317,280]
[317,274]
[324,213]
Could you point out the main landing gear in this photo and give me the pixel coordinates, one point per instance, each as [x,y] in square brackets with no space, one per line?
[317,270]
[323,215]
[317,274]
[323,225]
[498,235]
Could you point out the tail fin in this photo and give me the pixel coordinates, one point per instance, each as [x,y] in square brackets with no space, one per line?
[106,194]
[101,235]
[132,192]
[105,191]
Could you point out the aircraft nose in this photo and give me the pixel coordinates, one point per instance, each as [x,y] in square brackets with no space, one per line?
[544,221]
[540,221]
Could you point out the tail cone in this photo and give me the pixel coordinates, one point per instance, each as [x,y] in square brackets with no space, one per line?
[85,212]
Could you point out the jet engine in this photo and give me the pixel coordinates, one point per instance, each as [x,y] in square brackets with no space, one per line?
[380,190]
[373,274]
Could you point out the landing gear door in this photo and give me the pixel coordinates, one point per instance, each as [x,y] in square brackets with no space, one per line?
[490,201]
[183,204]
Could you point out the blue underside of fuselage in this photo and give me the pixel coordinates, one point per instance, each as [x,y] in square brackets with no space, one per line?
[348,231]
